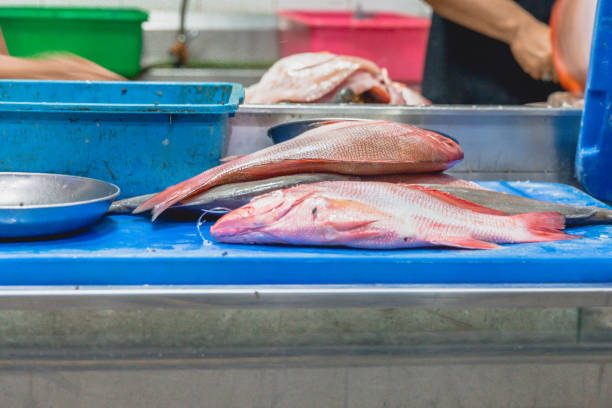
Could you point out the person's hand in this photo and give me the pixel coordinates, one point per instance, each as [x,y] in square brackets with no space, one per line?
[67,67]
[71,67]
[531,47]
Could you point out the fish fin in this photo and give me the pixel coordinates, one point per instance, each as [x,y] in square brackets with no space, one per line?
[460,202]
[179,192]
[545,226]
[173,194]
[230,158]
[150,204]
[347,206]
[127,205]
[463,242]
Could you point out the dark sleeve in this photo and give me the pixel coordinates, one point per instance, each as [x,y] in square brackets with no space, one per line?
[465,67]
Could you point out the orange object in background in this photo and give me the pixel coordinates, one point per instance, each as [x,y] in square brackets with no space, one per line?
[571,25]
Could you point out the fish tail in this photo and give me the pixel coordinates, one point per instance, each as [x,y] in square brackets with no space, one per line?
[603,214]
[127,205]
[170,196]
[545,226]
[117,207]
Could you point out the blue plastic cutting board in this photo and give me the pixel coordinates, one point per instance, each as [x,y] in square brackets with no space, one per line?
[128,250]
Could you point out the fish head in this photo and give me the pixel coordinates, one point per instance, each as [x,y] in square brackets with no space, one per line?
[299,218]
[447,147]
[439,148]
[261,212]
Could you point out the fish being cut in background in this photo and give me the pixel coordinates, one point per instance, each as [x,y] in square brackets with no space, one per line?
[323,77]
[379,215]
[344,147]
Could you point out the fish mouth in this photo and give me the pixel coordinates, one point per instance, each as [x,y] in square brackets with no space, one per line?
[242,220]
[450,148]
[447,147]
[450,151]
[453,163]
[222,231]
[453,157]
[239,222]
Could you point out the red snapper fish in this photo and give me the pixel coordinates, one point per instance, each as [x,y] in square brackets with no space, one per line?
[380,215]
[352,147]
[323,77]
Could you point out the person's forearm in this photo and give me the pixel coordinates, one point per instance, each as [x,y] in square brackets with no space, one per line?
[499,19]
[15,68]
[66,67]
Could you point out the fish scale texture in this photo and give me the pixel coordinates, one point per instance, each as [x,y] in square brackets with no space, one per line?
[379,215]
[305,77]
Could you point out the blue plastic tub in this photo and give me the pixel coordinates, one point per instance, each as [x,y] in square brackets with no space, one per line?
[141,136]
[594,152]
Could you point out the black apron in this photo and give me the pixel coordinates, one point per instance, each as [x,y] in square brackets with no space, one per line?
[465,67]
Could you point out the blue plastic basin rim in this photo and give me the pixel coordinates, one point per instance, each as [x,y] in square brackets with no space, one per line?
[235,98]
[116,107]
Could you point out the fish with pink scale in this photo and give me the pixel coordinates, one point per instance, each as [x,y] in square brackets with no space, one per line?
[353,147]
[380,215]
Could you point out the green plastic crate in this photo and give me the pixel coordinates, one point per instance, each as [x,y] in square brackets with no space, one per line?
[109,37]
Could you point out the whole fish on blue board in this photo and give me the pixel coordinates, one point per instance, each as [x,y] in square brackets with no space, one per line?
[222,199]
[352,147]
[380,215]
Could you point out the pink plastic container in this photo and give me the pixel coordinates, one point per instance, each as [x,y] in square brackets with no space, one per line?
[393,41]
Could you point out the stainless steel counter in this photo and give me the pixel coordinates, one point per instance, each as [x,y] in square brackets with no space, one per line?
[500,143]
[307,296]
[242,76]
[291,357]
[328,346]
